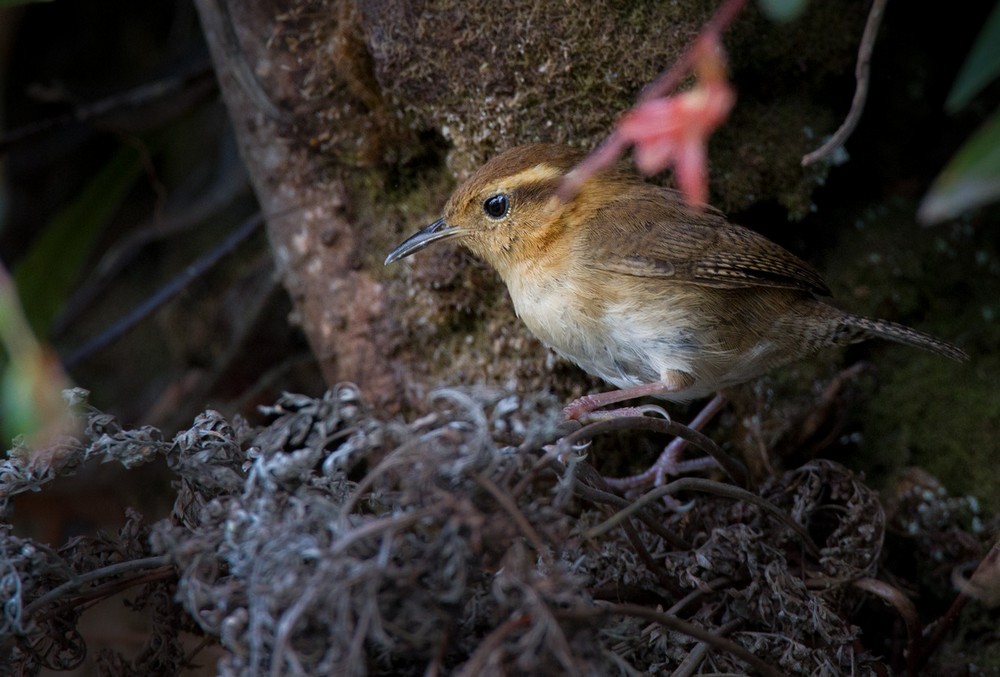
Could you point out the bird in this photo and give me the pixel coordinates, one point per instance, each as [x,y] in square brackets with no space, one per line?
[640,289]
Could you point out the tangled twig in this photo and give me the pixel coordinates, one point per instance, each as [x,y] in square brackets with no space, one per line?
[862,72]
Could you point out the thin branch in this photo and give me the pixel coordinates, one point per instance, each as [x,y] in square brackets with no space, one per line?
[590,474]
[677,625]
[166,292]
[737,471]
[392,522]
[230,184]
[82,579]
[690,664]
[862,71]
[99,593]
[218,23]
[906,609]
[493,641]
[944,624]
[713,585]
[511,509]
[709,487]
[601,493]
[193,85]
[984,584]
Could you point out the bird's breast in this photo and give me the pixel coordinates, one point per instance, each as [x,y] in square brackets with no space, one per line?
[607,334]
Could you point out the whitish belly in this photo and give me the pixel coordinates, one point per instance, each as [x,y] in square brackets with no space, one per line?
[607,340]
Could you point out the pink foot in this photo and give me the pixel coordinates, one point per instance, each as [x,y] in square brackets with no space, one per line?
[669,463]
[588,403]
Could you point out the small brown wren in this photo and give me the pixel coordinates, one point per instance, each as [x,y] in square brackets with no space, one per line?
[639,289]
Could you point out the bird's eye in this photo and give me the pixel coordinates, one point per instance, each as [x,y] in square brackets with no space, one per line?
[497,206]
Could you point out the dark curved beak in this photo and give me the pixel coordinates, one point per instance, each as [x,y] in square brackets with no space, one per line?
[439,230]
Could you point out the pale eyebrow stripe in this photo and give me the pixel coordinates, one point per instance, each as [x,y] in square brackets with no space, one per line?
[540,173]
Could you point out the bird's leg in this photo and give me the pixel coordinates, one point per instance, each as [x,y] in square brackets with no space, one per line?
[670,463]
[670,382]
[588,403]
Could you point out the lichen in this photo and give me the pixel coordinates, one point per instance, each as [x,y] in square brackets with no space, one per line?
[334,541]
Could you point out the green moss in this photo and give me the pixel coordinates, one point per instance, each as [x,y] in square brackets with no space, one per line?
[975,642]
[926,410]
[390,204]
[758,155]
[386,78]
[942,417]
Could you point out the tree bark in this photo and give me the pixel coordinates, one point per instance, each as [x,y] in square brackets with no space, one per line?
[339,306]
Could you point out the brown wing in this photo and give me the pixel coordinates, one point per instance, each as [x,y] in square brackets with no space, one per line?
[653,234]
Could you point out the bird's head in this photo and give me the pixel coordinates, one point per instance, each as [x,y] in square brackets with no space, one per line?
[507,212]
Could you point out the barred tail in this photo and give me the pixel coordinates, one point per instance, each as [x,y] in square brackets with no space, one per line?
[855,328]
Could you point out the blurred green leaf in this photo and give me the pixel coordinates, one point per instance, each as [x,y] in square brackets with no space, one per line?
[980,67]
[971,178]
[52,267]
[17,405]
[783,10]
[31,378]
[31,402]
